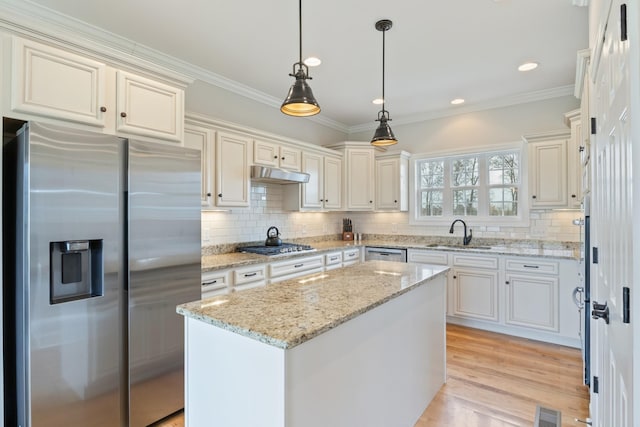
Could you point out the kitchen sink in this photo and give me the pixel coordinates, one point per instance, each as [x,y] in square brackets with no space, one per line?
[438,246]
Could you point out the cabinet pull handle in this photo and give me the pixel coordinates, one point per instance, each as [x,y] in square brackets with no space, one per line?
[531,266]
[103,109]
[123,114]
[250,274]
[298,265]
[212,282]
[333,258]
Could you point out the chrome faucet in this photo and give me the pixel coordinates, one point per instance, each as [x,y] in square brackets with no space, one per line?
[466,239]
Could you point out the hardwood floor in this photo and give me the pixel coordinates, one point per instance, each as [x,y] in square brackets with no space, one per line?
[496,380]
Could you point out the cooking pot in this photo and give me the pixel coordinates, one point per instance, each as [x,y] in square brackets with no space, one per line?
[272,237]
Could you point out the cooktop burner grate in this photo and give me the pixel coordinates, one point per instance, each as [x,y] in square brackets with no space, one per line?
[284,249]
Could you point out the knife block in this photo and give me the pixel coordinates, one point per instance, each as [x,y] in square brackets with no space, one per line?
[347,235]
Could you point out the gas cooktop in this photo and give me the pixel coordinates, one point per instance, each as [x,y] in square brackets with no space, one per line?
[284,249]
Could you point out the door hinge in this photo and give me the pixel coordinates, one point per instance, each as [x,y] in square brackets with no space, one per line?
[626,310]
[593,125]
[594,258]
[595,384]
[623,22]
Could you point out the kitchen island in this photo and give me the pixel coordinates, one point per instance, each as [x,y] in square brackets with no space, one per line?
[361,345]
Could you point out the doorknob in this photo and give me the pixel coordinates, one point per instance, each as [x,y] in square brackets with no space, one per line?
[600,311]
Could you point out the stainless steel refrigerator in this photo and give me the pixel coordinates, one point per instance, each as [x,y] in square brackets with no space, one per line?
[106,236]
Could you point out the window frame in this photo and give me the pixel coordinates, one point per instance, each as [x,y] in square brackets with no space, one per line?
[483,218]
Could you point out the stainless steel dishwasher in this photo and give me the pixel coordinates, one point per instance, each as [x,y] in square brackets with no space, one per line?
[385,254]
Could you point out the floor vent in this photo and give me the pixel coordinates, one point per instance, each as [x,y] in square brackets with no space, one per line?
[546,417]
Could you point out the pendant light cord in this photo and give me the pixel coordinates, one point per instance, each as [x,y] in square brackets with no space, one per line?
[300,33]
[383,45]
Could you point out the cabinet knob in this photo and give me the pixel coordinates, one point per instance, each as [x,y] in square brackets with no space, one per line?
[455,277]
[507,282]
[370,201]
[220,195]
[395,201]
[208,194]
[573,196]
[322,200]
[533,197]
[123,114]
[275,157]
[103,109]
[282,158]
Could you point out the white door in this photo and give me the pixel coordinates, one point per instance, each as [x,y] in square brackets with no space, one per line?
[613,225]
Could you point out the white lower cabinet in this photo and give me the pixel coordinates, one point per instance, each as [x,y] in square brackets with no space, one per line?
[351,256]
[292,268]
[522,296]
[215,283]
[249,277]
[332,260]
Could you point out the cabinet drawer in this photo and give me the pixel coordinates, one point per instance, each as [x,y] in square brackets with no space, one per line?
[428,257]
[475,261]
[249,274]
[351,256]
[531,266]
[249,285]
[215,280]
[333,258]
[293,266]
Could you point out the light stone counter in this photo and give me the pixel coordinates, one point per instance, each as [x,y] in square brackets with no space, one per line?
[289,313]
[529,248]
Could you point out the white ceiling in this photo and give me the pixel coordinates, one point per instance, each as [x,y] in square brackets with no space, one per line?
[436,50]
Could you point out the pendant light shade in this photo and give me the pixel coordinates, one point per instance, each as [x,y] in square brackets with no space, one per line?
[384,135]
[300,101]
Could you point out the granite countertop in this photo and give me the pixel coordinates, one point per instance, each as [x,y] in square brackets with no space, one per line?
[289,313]
[487,246]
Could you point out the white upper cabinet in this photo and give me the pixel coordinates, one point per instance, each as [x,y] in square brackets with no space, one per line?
[275,155]
[149,108]
[392,185]
[203,139]
[548,173]
[324,189]
[55,83]
[575,155]
[360,179]
[232,160]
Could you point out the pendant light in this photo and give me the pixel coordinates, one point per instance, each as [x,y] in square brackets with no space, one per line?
[384,135]
[300,101]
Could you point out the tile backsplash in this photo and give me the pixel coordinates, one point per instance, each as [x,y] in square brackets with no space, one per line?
[251,224]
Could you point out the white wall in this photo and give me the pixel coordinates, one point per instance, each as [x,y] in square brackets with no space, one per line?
[482,128]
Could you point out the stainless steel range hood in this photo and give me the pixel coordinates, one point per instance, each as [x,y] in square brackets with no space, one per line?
[278,176]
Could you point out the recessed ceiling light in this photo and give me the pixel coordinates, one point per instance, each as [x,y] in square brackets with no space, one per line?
[457,101]
[378,101]
[312,61]
[528,66]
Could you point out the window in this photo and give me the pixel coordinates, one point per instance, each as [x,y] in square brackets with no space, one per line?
[485,186]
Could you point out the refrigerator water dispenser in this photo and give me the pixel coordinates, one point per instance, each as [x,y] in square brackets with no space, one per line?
[76,270]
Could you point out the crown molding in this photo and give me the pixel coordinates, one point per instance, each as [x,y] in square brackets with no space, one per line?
[491,104]
[29,19]
[546,136]
[582,65]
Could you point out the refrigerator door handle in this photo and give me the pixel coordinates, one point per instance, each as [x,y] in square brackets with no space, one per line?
[578,301]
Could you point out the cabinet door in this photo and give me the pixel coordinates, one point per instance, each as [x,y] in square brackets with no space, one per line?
[149,108]
[312,191]
[265,153]
[232,170]
[475,294]
[387,184]
[332,183]
[548,179]
[360,179]
[55,83]
[290,158]
[532,301]
[574,165]
[202,139]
